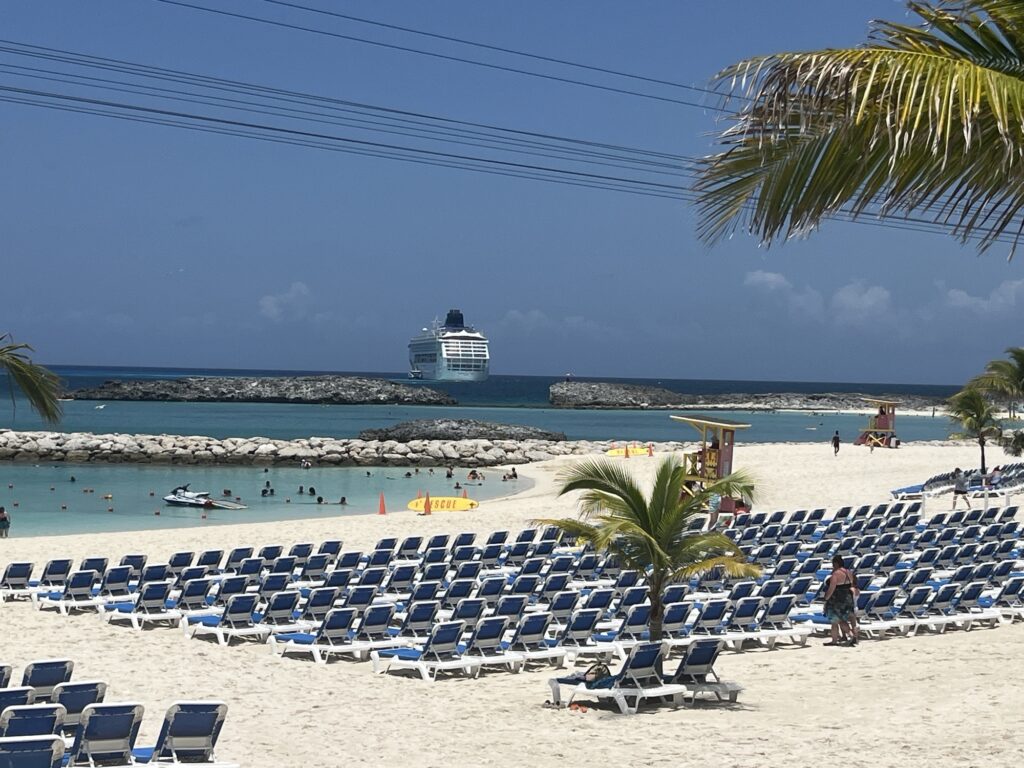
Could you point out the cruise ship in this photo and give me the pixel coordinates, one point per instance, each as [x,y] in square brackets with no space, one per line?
[452,351]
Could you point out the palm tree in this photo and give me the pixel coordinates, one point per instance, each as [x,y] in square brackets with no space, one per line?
[977,417]
[41,387]
[1004,377]
[923,120]
[652,534]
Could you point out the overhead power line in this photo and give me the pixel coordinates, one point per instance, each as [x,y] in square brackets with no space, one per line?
[441,56]
[495,48]
[153,82]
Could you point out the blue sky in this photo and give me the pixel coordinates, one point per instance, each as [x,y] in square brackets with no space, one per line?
[131,244]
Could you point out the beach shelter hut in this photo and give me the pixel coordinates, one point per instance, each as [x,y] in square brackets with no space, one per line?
[881,429]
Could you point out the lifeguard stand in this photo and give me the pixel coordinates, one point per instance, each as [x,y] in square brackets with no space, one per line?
[717,439]
[881,429]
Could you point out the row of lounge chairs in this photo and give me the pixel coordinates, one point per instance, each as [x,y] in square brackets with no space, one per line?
[642,677]
[50,720]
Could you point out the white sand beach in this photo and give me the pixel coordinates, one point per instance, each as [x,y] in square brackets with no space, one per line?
[917,701]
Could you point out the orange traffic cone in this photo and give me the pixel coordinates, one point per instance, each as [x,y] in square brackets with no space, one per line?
[650,449]
[465,494]
[626,452]
[426,504]
[419,494]
[381,510]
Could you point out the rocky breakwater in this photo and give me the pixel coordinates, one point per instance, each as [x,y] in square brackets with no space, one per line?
[335,390]
[587,394]
[600,394]
[458,429]
[259,451]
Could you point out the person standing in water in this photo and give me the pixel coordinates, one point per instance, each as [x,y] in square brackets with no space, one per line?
[5,523]
[835,443]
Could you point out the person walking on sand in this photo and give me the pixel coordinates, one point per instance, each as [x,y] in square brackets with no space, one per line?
[835,443]
[5,523]
[841,603]
[960,487]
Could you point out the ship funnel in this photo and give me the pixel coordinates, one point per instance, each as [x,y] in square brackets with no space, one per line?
[454,319]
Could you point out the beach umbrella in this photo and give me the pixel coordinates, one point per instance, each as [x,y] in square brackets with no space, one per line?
[426,504]
[381,509]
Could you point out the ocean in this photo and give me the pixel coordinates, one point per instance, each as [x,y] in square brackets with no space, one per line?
[49,503]
[510,399]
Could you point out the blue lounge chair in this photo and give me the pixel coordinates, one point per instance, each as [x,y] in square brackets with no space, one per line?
[486,649]
[188,736]
[15,581]
[46,674]
[439,653]
[697,674]
[236,621]
[106,735]
[32,720]
[6,671]
[75,596]
[335,633]
[32,752]
[418,620]
[55,574]
[16,697]
[530,642]
[319,603]
[75,697]
[469,611]
[179,561]
[151,606]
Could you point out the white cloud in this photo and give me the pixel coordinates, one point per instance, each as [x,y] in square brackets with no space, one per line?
[803,302]
[1003,298]
[293,304]
[860,304]
[768,281]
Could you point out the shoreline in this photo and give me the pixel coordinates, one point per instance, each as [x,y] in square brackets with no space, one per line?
[23,447]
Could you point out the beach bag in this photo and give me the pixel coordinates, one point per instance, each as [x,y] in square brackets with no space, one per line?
[595,676]
[598,676]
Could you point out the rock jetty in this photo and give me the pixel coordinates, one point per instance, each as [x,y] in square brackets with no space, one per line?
[587,394]
[458,429]
[334,390]
[600,394]
[260,451]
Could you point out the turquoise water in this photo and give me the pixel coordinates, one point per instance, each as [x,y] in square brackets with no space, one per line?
[137,493]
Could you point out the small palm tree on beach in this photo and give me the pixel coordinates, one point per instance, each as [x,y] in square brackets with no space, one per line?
[921,120]
[652,533]
[40,386]
[977,418]
[1005,378]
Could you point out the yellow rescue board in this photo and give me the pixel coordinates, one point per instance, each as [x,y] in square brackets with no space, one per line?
[444,504]
[634,450]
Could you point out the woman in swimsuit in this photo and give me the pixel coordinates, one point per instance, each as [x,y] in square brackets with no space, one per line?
[841,602]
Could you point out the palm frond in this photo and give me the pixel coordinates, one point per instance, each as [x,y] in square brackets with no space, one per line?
[924,120]
[604,476]
[732,566]
[40,386]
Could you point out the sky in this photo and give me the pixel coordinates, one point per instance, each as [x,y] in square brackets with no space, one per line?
[124,243]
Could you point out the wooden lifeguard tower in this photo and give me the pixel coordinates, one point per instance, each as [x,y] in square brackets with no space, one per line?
[881,429]
[713,460]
